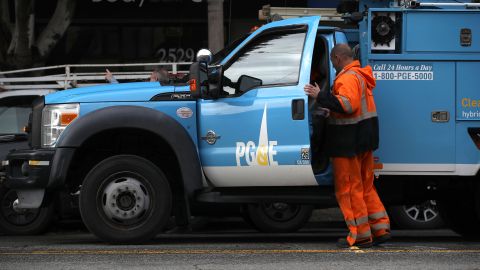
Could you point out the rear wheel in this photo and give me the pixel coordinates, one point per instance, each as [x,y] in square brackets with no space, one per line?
[418,216]
[125,199]
[17,221]
[278,217]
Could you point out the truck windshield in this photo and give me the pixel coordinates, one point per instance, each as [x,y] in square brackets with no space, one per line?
[218,57]
[14,112]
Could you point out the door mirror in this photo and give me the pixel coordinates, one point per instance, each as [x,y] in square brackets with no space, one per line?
[205,82]
[246,83]
[198,79]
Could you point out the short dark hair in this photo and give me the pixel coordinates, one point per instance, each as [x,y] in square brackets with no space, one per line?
[162,74]
[342,50]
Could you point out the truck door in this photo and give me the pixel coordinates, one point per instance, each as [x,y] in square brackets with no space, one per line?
[260,136]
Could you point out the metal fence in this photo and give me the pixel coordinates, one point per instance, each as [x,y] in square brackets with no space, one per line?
[71,76]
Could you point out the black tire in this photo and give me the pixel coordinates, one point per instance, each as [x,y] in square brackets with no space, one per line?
[460,215]
[418,217]
[24,222]
[278,217]
[136,188]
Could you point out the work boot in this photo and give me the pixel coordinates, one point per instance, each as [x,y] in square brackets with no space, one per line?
[342,243]
[381,239]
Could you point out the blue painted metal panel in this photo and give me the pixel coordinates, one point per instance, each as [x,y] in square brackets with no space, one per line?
[167,107]
[405,103]
[426,56]
[239,120]
[139,91]
[468,111]
[468,91]
[436,31]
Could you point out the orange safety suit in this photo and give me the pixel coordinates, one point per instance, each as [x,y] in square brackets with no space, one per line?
[352,135]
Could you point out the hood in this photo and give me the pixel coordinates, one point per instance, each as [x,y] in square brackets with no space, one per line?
[366,72]
[114,92]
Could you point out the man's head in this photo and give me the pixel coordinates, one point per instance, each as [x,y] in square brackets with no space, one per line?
[159,75]
[341,55]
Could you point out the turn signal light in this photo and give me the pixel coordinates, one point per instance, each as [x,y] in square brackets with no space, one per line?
[193,85]
[67,118]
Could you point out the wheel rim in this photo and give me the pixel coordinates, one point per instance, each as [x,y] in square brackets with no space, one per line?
[125,199]
[424,212]
[280,211]
[13,215]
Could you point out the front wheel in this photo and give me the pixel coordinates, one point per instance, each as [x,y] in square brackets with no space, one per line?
[278,217]
[125,199]
[15,221]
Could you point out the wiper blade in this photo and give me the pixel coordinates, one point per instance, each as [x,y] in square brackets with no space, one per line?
[7,138]
[13,137]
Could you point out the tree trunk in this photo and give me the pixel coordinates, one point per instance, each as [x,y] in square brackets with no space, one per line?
[215,25]
[56,27]
[19,51]
[5,29]
[23,51]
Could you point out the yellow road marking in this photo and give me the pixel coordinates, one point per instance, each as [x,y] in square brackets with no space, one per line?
[227,252]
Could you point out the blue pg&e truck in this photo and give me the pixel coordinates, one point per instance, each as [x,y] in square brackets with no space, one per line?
[244,132]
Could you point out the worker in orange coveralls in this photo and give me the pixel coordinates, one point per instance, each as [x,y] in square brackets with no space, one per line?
[352,136]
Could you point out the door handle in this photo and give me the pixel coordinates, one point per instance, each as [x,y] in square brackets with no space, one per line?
[298,109]
[440,116]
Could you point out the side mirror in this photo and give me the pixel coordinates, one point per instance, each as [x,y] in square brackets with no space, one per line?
[204,56]
[198,79]
[205,82]
[246,83]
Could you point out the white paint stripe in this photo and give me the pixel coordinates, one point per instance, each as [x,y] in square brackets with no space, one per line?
[237,176]
[429,169]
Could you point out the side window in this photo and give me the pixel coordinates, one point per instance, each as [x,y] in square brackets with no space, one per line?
[274,58]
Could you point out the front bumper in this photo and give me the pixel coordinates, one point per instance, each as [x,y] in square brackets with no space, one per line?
[29,169]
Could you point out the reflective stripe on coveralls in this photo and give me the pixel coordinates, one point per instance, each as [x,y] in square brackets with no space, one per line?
[348,107]
[377,215]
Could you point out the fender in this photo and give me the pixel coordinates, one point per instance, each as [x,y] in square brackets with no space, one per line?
[129,117]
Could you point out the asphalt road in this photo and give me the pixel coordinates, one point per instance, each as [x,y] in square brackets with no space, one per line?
[232,245]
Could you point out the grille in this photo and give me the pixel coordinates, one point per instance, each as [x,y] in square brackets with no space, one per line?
[35,123]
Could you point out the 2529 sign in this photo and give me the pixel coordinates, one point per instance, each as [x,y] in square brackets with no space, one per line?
[175,55]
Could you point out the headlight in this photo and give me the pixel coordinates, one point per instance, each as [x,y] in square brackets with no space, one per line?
[55,118]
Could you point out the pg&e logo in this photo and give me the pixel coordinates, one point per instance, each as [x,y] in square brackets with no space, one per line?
[264,154]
